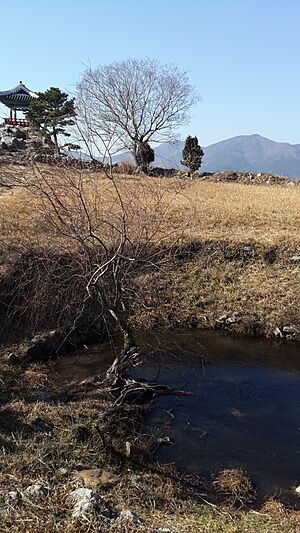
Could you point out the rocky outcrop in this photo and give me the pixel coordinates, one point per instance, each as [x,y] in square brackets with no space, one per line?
[21,145]
[23,141]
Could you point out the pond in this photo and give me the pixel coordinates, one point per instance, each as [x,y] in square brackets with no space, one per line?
[244,410]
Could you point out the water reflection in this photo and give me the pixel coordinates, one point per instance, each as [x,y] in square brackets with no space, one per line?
[245,408]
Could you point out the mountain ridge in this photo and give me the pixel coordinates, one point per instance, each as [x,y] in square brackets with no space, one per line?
[247,153]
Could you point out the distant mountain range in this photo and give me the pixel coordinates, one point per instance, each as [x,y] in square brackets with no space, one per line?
[251,153]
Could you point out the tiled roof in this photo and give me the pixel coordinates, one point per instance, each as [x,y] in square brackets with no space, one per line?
[19,95]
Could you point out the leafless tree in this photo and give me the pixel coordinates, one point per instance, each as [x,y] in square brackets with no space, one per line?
[121,226]
[127,103]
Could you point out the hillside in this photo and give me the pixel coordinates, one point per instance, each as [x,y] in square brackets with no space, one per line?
[239,247]
[251,153]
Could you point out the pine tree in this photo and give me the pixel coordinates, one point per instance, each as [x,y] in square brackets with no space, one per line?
[145,155]
[192,154]
[51,113]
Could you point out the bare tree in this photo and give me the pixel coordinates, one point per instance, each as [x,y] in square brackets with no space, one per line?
[129,103]
[121,227]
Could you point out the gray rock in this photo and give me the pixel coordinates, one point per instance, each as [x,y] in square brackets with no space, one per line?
[295,258]
[235,317]
[164,440]
[35,492]
[85,501]
[14,496]
[222,318]
[290,337]
[297,490]
[278,333]
[290,329]
[127,518]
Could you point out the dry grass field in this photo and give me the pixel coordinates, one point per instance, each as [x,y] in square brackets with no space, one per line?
[190,210]
[232,243]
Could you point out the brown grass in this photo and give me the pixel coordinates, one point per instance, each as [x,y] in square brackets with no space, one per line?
[210,224]
[192,210]
[235,484]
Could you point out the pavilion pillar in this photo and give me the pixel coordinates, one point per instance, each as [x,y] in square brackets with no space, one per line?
[15,115]
[10,115]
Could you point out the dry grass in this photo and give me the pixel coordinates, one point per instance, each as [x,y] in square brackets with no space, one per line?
[194,287]
[191,210]
[240,213]
[235,484]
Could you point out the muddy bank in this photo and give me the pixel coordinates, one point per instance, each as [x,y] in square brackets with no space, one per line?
[244,289]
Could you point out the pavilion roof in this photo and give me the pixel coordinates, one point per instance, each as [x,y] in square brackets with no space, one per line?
[17,98]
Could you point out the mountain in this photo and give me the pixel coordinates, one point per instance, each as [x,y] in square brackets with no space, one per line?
[251,153]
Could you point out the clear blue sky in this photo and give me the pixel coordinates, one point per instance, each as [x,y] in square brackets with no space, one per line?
[243,55]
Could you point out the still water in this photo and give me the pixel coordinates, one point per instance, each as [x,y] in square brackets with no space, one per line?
[244,410]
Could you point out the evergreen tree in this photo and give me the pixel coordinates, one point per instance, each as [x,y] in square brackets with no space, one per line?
[51,113]
[144,156]
[192,154]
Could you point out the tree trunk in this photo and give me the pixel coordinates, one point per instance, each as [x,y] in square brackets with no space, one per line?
[56,141]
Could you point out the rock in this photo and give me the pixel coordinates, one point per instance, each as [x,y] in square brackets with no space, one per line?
[14,496]
[229,319]
[290,337]
[290,329]
[295,258]
[249,250]
[127,518]
[297,490]
[85,501]
[222,318]
[164,440]
[278,333]
[45,344]
[35,492]
[11,358]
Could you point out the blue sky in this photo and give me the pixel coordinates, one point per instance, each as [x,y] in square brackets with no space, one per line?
[243,55]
